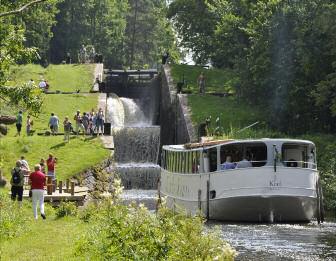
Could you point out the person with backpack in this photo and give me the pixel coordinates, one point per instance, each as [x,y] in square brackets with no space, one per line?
[17,182]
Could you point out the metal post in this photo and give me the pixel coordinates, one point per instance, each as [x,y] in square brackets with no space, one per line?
[208,199]
[199,200]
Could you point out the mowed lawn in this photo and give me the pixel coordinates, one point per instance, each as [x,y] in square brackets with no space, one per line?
[63,77]
[50,239]
[75,156]
[216,80]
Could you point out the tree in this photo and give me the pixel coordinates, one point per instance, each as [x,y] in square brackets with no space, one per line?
[148,33]
[195,25]
[12,40]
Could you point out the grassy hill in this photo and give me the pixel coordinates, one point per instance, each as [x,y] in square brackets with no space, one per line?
[73,157]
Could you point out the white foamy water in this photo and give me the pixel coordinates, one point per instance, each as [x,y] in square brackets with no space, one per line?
[125,112]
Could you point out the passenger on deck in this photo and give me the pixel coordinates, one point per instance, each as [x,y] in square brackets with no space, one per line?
[228,164]
[244,163]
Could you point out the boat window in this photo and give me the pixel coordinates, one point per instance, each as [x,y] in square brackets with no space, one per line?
[298,155]
[213,159]
[245,154]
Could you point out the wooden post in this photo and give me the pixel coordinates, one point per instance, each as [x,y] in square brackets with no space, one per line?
[72,188]
[49,185]
[67,185]
[60,186]
[54,185]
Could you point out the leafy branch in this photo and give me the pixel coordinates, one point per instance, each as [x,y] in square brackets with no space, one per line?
[21,9]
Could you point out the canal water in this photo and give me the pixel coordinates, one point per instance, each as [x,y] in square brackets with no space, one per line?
[266,242]
[136,151]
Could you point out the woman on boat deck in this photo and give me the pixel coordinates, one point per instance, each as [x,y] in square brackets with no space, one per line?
[228,164]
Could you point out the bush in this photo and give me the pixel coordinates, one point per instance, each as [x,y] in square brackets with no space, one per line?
[133,233]
[66,209]
[12,219]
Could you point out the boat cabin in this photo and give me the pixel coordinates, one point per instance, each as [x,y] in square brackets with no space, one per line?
[234,154]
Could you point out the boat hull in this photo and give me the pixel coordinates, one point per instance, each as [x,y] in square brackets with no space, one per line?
[245,196]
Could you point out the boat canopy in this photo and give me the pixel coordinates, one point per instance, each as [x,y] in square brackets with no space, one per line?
[231,154]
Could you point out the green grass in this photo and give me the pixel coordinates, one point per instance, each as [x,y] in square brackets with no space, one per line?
[62,105]
[232,115]
[50,239]
[216,80]
[74,157]
[65,77]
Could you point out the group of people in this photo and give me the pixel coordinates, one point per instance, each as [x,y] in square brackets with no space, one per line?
[36,180]
[19,122]
[228,164]
[90,122]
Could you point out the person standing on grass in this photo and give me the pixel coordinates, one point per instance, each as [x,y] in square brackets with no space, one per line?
[100,121]
[85,120]
[19,123]
[42,166]
[67,129]
[17,182]
[29,125]
[201,83]
[24,164]
[79,122]
[37,181]
[53,123]
[51,164]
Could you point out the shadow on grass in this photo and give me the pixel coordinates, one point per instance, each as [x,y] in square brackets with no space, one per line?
[90,138]
[62,144]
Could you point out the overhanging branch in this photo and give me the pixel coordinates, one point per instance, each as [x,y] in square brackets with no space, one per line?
[22,8]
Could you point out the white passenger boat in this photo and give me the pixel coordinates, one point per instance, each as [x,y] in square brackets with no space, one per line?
[268,180]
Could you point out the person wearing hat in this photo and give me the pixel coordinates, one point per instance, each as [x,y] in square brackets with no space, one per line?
[17,182]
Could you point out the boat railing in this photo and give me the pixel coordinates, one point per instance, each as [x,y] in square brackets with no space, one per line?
[299,164]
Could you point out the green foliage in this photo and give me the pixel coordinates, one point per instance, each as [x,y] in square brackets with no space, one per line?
[12,221]
[66,209]
[216,80]
[282,51]
[78,154]
[133,233]
[15,48]
[195,25]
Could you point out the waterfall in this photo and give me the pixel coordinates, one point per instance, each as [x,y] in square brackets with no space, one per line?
[136,143]
[126,112]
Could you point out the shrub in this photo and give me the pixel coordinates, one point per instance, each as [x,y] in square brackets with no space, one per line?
[133,233]
[66,209]
[12,219]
